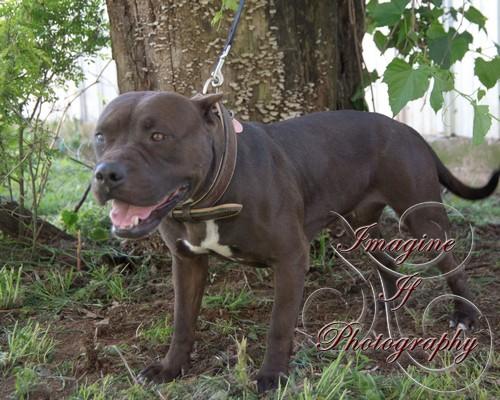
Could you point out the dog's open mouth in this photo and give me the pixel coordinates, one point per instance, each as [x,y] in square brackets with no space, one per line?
[131,221]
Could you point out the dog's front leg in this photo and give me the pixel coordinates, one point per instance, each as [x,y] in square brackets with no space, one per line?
[289,274]
[189,277]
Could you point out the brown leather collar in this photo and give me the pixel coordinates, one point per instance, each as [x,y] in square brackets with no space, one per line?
[203,208]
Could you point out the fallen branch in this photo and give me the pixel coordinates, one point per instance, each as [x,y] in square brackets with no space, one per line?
[17,223]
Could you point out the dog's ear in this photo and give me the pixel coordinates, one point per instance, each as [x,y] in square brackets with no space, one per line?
[205,103]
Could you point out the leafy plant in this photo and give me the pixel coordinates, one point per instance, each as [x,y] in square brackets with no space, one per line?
[427,46]
[11,292]
[42,43]
[26,380]
[90,222]
[225,5]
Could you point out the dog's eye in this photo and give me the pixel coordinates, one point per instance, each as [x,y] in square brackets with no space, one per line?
[157,137]
[99,137]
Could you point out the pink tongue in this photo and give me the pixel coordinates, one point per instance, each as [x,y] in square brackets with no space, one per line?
[122,214]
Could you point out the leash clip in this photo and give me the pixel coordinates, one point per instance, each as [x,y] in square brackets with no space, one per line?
[216,78]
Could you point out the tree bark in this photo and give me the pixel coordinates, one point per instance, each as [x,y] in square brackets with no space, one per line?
[289,56]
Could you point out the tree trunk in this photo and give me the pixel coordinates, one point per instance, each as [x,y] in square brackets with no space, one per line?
[288,58]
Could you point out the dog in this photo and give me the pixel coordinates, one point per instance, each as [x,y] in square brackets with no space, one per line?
[160,151]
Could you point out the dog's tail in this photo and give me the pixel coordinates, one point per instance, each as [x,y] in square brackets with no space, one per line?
[460,189]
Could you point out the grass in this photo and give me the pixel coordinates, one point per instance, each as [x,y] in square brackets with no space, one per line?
[158,332]
[29,343]
[241,367]
[229,300]
[478,213]
[107,282]
[99,390]
[348,376]
[11,291]
[66,184]
[320,250]
[53,290]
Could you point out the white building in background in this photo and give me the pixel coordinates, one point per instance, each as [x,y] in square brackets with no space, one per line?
[456,119]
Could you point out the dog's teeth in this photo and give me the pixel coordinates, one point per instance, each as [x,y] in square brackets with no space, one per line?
[135,220]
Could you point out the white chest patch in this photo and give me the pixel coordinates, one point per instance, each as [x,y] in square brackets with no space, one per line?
[211,242]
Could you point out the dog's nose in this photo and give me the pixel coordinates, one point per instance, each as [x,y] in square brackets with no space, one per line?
[110,174]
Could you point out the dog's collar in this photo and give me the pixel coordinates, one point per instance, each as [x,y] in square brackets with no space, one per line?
[204,208]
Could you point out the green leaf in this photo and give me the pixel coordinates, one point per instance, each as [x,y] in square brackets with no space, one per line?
[380,41]
[405,83]
[387,13]
[217,18]
[231,4]
[446,48]
[404,37]
[480,94]
[99,234]
[476,17]
[443,82]
[69,218]
[488,72]
[482,123]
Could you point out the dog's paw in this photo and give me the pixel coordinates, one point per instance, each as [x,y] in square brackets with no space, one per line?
[464,321]
[157,373]
[269,381]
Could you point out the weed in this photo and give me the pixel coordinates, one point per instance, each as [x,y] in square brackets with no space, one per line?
[11,292]
[99,390]
[29,343]
[112,281]
[158,333]
[137,392]
[116,288]
[241,367]
[104,284]
[26,379]
[54,289]
[320,256]
[230,301]
[225,326]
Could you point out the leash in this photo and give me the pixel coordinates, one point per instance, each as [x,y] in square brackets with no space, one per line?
[216,78]
[205,205]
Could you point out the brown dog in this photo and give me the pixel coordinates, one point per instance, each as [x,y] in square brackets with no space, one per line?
[158,150]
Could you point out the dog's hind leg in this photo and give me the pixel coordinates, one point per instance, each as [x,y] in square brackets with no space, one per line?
[433,221]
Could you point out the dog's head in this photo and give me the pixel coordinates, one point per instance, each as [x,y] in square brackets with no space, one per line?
[154,150]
